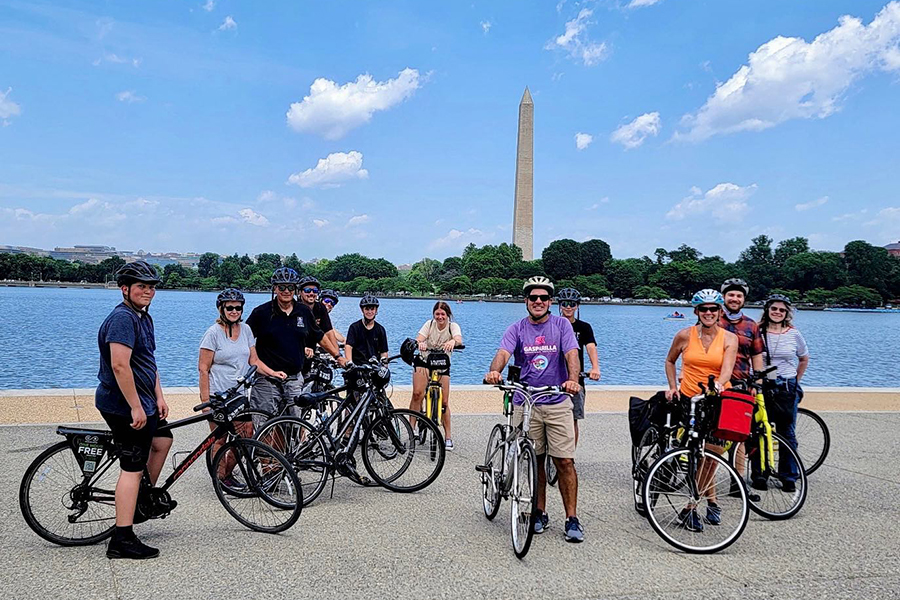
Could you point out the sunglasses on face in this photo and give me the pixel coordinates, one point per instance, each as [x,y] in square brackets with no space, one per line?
[568,303]
[310,290]
[539,298]
[705,309]
[776,309]
[285,288]
[234,308]
[328,302]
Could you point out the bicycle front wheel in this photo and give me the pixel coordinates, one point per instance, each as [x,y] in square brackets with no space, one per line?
[813,439]
[434,412]
[304,449]
[686,496]
[775,500]
[247,427]
[491,482]
[396,458]
[523,498]
[263,492]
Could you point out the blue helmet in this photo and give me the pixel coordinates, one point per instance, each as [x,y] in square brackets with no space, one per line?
[707,296]
[284,275]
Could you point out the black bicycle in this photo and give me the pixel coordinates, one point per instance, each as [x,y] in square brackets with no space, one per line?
[67,494]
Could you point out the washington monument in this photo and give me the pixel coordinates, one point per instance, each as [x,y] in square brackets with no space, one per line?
[523,211]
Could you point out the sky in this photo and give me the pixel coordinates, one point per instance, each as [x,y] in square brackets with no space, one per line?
[389,128]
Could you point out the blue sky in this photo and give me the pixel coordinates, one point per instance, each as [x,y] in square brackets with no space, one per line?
[389,128]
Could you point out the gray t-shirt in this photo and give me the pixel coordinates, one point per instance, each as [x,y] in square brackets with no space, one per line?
[784,351]
[231,356]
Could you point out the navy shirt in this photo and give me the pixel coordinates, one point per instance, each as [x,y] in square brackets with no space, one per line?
[133,329]
[281,339]
[366,343]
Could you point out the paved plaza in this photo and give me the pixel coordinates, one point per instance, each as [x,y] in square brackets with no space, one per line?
[370,543]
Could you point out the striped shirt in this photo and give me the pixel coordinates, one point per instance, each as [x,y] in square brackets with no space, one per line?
[784,349]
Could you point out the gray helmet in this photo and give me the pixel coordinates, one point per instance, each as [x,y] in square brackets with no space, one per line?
[569,294]
[778,298]
[284,275]
[137,271]
[368,300]
[538,281]
[330,294]
[735,283]
[229,294]
[308,280]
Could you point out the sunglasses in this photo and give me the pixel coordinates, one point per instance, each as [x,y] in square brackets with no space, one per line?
[285,288]
[328,301]
[705,309]
[539,297]
[234,308]
[776,309]
[568,303]
[310,290]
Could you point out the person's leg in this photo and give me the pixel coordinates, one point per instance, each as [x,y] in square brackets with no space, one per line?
[126,497]
[445,392]
[420,378]
[788,470]
[159,450]
[560,430]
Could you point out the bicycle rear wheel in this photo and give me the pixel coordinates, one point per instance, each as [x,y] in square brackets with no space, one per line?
[494,457]
[64,506]
[813,439]
[774,503]
[271,498]
[304,449]
[642,457]
[523,498]
[396,458]
[677,483]
[251,421]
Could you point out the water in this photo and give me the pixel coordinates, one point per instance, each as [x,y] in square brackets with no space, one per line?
[48,338]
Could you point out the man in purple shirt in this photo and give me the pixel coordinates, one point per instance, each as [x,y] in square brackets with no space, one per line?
[545,349]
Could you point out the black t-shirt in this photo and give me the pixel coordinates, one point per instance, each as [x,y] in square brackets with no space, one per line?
[281,339]
[584,333]
[366,343]
[323,319]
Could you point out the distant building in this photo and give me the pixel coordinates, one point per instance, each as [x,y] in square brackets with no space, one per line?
[893,249]
[85,254]
[23,250]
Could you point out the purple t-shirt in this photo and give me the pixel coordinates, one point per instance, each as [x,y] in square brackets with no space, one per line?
[539,350]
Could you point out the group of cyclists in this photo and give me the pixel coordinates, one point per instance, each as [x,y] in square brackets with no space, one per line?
[281,335]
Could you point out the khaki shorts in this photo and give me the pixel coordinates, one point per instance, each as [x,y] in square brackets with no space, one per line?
[552,428]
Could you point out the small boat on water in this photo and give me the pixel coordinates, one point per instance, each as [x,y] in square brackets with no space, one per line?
[675,316]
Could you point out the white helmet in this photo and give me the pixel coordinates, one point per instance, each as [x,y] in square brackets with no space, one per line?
[538,281]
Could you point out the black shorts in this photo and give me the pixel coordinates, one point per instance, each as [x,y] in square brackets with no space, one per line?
[134,444]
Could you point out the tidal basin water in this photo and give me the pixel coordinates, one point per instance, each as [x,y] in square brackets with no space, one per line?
[48,338]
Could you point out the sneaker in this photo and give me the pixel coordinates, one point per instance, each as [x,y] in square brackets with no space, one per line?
[541,522]
[232,485]
[449,445]
[789,487]
[421,434]
[713,514]
[760,484]
[574,530]
[690,520]
[130,548]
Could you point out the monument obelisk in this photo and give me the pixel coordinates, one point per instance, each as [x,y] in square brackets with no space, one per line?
[523,210]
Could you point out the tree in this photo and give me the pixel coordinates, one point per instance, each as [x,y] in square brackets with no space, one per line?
[820,297]
[269,262]
[810,270]
[428,268]
[591,285]
[458,285]
[713,271]
[490,285]
[562,259]
[625,275]
[867,265]
[491,261]
[757,266]
[229,271]
[594,254]
[209,262]
[788,248]
[109,267]
[529,268]
[685,253]
[857,295]
[294,263]
[348,267]
[649,292]
[258,282]
[679,278]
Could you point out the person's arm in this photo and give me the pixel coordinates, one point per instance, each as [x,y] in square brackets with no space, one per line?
[757,361]
[340,339]
[671,358]
[573,365]
[423,335]
[455,339]
[802,366]
[731,350]
[802,355]
[120,358]
[757,347]
[204,365]
[497,365]
[161,405]
[383,349]
[595,362]
[329,343]
[262,367]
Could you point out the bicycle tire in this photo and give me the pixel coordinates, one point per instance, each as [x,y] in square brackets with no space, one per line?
[495,457]
[390,440]
[38,487]
[523,500]
[257,418]
[304,448]
[274,491]
[813,439]
[773,503]
[434,414]
[667,479]
[642,458]
[550,471]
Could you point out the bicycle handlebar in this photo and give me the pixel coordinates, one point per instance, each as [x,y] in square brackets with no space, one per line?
[245,380]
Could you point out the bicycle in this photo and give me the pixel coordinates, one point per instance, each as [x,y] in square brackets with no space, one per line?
[813,439]
[438,364]
[550,466]
[364,419]
[680,478]
[67,494]
[510,464]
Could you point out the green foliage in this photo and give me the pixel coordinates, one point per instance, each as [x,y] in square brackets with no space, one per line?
[562,259]
[625,275]
[684,253]
[594,254]
[208,284]
[868,265]
[788,248]
[680,279]
[713,271]
[808,270]
[757,266]
[348,267]
[490,261]
[819,297]
[857,295]
[529,268]
[593,286]
[650,292]
[208,264]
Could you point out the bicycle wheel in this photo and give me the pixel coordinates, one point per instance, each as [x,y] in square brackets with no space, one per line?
[677,483]
[271,498]
[813,439]
[774,503]
[523,498]
[304,449]
[244,428]
[550,470]
[494,457]
[434,406]
[64,506]
[392,452]
[642,457]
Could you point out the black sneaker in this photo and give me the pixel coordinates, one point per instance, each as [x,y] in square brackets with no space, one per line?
[130,548]
[789,487]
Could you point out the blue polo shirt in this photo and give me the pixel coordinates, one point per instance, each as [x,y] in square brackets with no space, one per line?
[133,329]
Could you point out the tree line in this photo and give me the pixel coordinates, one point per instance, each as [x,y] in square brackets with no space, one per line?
[861,275]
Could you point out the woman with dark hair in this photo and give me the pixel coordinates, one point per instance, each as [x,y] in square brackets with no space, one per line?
[438,332]
[786,349]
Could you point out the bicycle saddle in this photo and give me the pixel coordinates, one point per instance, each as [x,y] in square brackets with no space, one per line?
[310,399]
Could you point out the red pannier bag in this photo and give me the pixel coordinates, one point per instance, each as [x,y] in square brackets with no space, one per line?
[735,416]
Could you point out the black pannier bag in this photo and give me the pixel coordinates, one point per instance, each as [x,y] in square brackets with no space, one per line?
[642,414]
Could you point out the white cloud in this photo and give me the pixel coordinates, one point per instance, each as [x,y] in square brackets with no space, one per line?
[129,96]
[596,205]
[790,78]
[320,222]
[229,24]
[854,216]
[642,3]
[576,42]
[209,6]
[8,108]
[268,199]
[331,110]
[456,239]
[332,171]
[557,76]
[583,140]
[633,134]
[726,203]
[253,218]
[486,26]
[358,220]
[811,204]
[117,60]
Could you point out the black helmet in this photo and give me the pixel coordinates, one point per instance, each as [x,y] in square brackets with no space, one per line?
[368,300]
[778,298]
[227,294]
[569,294]
[308,280]
[408,350]
[137,271]
[284,275]
[331,294]
[735,283]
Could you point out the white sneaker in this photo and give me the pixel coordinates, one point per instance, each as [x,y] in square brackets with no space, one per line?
[449,445]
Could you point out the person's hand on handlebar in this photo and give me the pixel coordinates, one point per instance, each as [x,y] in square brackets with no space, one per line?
[493,377]
[310,352]
[671,394]
[449,346]
[280,375]
[341,361]
[423,346]
[594,375]
[571,387]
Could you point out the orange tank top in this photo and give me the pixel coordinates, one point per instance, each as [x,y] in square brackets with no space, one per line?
[698,364]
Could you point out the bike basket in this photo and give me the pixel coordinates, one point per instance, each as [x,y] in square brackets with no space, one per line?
[735,414]
[438,361]
[229,409]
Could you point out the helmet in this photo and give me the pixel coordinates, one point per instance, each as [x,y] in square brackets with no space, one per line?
[537,281]
[408,350]
[368,300]
[284,275]
[333,295]
[382,376]
[227,294]
[308,280]
[707,296]
[569,294]
[137,271]
[736,283]
[778,298]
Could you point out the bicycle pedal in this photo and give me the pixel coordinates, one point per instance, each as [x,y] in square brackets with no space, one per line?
[483,468]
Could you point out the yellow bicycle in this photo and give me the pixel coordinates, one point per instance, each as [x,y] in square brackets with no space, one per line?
[438,364]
